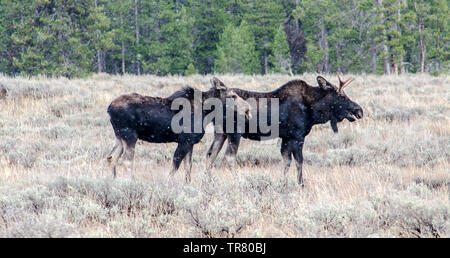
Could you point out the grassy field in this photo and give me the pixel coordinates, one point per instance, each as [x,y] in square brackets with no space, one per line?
[386,175]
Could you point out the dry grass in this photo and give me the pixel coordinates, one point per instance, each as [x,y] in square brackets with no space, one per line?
[386,175]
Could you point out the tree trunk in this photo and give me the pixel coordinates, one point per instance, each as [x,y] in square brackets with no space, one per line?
[99,61]
[296,24]
[399,61]
[423,49]
[123,57]
[422,58]
[99,52]
[123,46]
[374,60]
[99,67]
[394,66]
[295,39]
[338,54]
[420,28]
[136,20]
[266,63]
[324,47]
[177,6]
[438,62]
[387,68]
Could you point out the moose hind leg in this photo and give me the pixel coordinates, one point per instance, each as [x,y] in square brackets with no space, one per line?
[114,155]
[179,155]
[214,150]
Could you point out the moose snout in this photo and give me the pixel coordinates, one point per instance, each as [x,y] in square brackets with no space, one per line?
[358,112]
[248,114]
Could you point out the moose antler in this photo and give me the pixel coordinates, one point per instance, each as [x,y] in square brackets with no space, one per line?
[343,83]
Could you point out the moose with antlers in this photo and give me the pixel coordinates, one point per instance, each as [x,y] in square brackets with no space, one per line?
[300,107]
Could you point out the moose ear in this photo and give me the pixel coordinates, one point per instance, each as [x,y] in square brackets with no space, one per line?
[324,84]
[217,84]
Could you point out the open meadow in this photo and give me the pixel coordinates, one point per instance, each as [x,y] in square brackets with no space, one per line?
[386,175]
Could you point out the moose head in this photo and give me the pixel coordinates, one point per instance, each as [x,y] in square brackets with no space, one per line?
[335,106]
[238,104]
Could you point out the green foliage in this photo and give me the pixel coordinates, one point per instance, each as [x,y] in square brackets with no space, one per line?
[76,38]
[236,51]
[210,21]
[280,57]
[190,70]
[48,40]
[264,17]
[173,51]
[438,24]
[121,22]
[313,57]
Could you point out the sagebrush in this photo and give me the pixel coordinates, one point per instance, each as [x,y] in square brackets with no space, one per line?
[383,176]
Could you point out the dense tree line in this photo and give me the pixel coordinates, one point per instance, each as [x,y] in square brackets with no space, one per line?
[76,38]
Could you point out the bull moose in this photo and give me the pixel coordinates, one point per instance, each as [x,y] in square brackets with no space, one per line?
[300,107]
[134,117]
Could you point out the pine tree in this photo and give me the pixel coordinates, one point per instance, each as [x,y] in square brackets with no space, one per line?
[121,56]
[264,17]
[99,28]
[280,59]
[236,51]
[172,49]
[190,70]
[348,38]
[210,20]
[76,38]
[392,9]
[3,40]
[438,21]
[317,31]
[50,38]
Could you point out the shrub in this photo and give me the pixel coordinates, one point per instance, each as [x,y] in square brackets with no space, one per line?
[412,213]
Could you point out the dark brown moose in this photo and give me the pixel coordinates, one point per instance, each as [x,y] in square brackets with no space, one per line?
[300,107]
[134,117]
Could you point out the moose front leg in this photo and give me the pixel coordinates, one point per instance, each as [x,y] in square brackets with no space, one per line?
[129,153]
[232,148]
[188,164]
[180,153]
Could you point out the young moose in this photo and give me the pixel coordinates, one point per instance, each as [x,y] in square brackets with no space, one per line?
[134,117]
[300,107]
